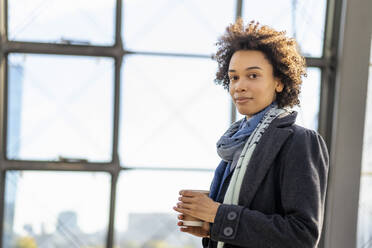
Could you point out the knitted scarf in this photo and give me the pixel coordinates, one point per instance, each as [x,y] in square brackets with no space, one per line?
[233,190]
[230,146]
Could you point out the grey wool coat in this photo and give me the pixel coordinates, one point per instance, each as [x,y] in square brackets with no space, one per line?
[281,202]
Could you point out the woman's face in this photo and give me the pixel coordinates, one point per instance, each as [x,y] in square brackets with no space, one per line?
[252,83]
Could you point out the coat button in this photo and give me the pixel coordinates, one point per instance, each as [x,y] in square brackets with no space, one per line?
[228,231]
[231,216]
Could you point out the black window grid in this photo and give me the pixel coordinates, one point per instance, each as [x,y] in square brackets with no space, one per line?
[326,63]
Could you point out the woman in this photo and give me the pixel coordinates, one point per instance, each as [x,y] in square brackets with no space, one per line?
[269,189]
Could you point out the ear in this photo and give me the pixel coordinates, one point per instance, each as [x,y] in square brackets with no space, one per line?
[278,86]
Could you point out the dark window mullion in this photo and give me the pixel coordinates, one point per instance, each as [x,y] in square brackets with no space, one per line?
[119,53]
[57,166]
[3,38]
[4,19]
[330,48]
[328,81]
[60,49]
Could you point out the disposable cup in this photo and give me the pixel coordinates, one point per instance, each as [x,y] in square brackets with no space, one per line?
[192,221]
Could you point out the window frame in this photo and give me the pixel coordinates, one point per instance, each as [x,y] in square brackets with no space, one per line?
[326,63]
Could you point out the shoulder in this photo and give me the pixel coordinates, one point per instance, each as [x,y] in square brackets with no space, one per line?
[305,142]
[305,135]
[298,134]
[302,133]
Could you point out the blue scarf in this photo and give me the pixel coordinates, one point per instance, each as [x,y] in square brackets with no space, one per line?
[230,146]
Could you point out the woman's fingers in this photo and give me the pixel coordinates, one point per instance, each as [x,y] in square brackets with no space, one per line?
[186,199]
[191,194]
[185,205]
[182,210]
[187,193]
[197,231]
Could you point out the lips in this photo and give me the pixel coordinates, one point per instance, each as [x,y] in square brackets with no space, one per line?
[242,99]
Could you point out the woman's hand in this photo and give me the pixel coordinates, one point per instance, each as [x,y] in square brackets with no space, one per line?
[198,205]
[199,231]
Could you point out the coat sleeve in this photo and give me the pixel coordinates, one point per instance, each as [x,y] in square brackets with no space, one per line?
[303,182]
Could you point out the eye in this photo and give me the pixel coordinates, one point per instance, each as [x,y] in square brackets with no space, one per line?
[252,76]
[233,78]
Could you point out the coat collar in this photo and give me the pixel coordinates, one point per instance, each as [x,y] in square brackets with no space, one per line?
[264,155]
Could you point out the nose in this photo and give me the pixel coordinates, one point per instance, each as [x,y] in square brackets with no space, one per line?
[240,86]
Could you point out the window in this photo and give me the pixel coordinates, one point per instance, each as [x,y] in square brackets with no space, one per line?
[110,109]
[60,107]
[304,20]
[61,209]
[64,22]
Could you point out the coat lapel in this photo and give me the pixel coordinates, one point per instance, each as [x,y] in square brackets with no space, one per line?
[261,160]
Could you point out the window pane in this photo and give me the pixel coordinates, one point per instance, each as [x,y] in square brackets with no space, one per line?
[175,26]
[172,112]
[56,209]
[62,21]
[145,216]
[308,111]
[60,106]
[365,196]
[304,20]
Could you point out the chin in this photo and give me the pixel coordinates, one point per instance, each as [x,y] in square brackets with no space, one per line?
[246,113]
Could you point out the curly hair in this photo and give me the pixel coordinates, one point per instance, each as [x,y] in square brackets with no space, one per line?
[281,51]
